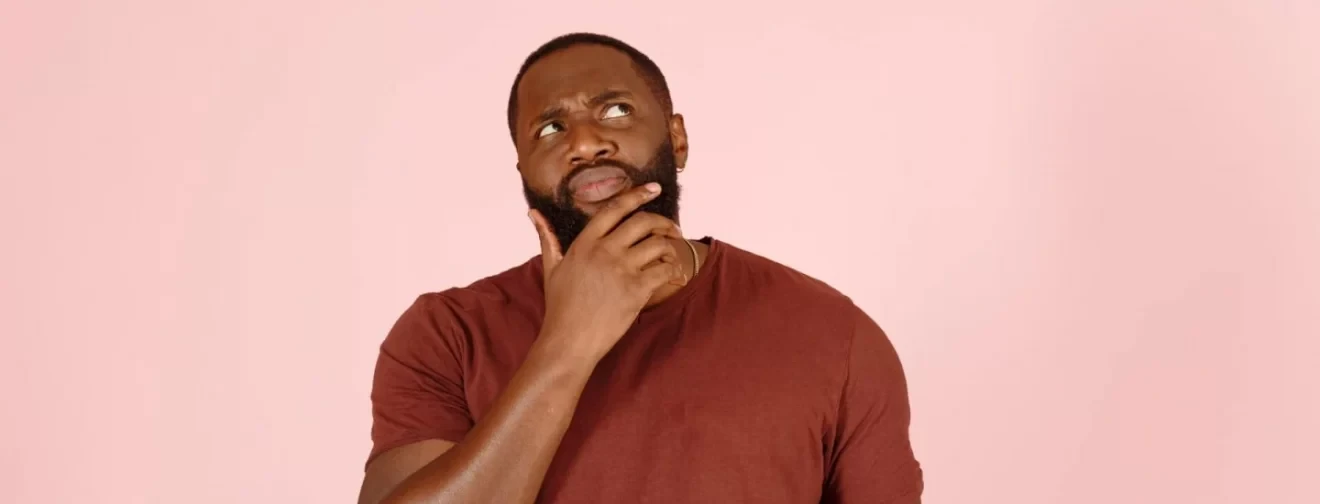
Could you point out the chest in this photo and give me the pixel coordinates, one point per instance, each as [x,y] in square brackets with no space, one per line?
[732,406]
[690,365]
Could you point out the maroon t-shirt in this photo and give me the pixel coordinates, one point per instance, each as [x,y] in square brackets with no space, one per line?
[753,384]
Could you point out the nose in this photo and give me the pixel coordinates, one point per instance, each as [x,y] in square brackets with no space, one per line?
[588,145]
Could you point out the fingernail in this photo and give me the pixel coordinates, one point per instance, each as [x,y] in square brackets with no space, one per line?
[530,218]
[652,187]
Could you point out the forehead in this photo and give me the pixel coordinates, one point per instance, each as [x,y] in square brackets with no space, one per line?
[577,72]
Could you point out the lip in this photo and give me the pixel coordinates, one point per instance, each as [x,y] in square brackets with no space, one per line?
[598,184]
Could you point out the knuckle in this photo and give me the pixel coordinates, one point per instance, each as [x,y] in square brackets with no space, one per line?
[615,260]
[637,286]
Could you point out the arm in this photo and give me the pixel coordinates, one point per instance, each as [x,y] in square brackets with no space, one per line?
[504,457]
[871,459]
[390,468]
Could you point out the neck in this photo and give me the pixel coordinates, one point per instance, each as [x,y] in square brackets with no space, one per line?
[687,262]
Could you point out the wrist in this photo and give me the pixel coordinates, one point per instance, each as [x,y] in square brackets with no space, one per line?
[565,352]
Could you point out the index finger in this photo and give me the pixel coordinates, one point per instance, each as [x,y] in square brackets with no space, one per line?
[619,207]
[551,253]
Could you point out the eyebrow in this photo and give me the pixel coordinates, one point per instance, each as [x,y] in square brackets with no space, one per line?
[595,101]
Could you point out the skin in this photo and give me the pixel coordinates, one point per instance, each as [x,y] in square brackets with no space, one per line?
[595,105]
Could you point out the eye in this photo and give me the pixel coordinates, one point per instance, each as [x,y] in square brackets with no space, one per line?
[549,129]
[618,110]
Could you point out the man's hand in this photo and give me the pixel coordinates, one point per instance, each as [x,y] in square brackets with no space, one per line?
[595,291]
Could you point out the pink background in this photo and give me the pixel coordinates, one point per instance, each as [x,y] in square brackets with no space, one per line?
[1091,228]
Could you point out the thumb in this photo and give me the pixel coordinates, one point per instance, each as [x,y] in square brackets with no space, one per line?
[551,253]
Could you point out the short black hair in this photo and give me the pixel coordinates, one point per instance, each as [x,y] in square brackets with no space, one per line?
[649,71]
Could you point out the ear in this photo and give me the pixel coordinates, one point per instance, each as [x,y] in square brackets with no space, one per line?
[678,138]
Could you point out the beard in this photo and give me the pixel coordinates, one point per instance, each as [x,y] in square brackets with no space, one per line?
[568,221]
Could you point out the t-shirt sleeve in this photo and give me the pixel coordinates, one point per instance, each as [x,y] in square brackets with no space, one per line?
[871,459]
[417,392]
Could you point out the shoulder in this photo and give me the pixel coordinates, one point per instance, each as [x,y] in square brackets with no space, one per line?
[512,288]
[772,291]
[455,311]
[768,279]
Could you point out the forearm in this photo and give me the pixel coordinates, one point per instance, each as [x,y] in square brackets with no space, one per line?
[505,456]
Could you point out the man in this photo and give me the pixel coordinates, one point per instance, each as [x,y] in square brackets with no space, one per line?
[627,363]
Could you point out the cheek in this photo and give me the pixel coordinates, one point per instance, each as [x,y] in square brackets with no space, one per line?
[638,145]
[544,186]
[636,152]
[539,174]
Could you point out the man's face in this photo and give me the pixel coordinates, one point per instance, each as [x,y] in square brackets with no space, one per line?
[588,128]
